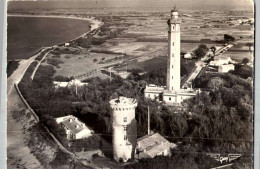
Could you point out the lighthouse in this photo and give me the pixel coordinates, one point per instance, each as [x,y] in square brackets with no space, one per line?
[172,93]
[124,128]
[174,59]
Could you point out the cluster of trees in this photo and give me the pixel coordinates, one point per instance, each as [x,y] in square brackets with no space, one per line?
[225,112]
[243,71]
[180,159]
[228,38]
[201,51]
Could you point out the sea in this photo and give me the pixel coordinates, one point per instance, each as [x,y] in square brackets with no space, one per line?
[26,35]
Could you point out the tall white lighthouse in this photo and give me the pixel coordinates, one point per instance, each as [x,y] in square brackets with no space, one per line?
[173,94]
[174,59]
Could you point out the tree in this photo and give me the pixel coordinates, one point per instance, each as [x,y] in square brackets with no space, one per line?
[228,38]
[213,49]
[245,61]
[215,83]
[201,51]
[94,60]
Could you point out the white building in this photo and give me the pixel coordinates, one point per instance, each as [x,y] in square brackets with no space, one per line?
[123,119]
[66,44]
[154,92]
[225,68]
[153,145]
[172,94]
[75,129]
[74,82]
[60,84]
[188,56]
[221,61]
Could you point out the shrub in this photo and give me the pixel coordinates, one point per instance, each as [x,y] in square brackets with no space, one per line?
[54,62]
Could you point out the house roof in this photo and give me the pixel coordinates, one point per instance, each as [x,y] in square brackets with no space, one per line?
[153,144]
[73,124]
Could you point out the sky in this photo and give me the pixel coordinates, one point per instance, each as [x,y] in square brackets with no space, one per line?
[126,3]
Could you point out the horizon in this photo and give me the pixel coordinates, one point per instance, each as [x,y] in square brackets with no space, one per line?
[220,4]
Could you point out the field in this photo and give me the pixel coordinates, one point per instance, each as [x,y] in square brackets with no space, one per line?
[141,36]
[238,56]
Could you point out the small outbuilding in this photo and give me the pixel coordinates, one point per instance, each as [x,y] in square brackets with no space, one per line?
[153,145]
[75,129]
[225,68]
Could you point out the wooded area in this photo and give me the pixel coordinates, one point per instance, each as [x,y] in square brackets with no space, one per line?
[215,121]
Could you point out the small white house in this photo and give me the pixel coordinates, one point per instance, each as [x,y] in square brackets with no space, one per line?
[154,92]
[75,129]
[74,82]
[188,56]
[60,84]
[221,61]
[66,44]
[225,68]
[153,145]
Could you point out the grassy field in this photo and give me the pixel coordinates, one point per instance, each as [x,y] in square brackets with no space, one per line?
[238,56]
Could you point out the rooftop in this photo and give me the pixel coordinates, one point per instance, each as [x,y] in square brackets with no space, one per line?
[153,144]
[72,123]
[152,87]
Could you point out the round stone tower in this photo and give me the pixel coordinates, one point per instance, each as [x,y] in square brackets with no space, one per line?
[124,128]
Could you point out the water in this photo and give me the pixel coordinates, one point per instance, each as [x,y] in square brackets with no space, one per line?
[26,35]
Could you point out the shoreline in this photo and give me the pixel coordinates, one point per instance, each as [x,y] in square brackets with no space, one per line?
[94,23]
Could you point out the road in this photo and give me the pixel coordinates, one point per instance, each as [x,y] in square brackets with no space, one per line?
[199,65]
[19,72]
[43,50]
[18,153]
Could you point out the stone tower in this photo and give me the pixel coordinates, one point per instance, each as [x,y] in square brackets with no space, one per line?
[174,59]
[124,128]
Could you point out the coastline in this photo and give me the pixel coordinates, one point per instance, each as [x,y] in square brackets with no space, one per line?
[19,147]
[95,24]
